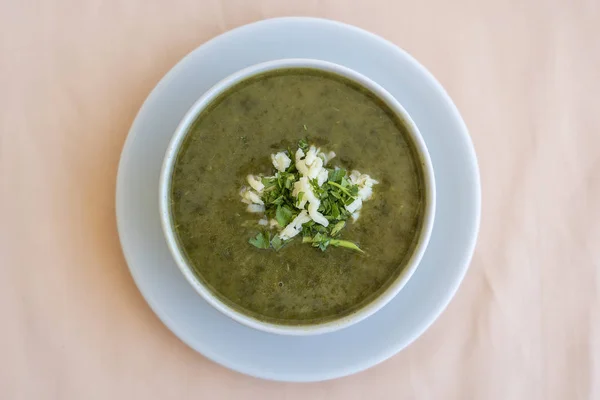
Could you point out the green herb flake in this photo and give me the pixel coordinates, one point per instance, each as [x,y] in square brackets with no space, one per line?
[289,181]
[284,215]
[322,242]
[277,243]
[336,175]
[300,197]
[341,187]
[346,244]
[337,228]
[261,241]
[303,144]
[279,200]
[335,211]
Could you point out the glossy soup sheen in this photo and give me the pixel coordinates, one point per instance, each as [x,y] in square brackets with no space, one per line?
[235,136]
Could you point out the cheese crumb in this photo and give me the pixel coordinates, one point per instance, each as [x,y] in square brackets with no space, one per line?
[315,168]
[327,157]
[281,161]
[311,155]
[354,206]
[294,227]
[250,197]
[365,184]
[316,215]
[322,178]
[303,186]
[365,193]
[255,183]
[255,208]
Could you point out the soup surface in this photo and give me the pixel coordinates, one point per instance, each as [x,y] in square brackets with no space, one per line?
[235,136]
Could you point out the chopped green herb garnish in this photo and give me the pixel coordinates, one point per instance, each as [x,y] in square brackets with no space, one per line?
[336,175]
[303,144]
[341,187]
[300,197]
[277,243]
[261,240]
[323,241]
[334,194]
[346,244]
[284,215]
[337,228]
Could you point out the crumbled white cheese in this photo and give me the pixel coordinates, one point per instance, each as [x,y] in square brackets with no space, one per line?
[263,222]
[354,206]
[315,168]
[300,163]
[249,197]
[302,168]
[311,155]
[322,178]
[311,165]
[255,183]
[365,193]
[365,184]
[281,161]
[370,181]
[303,185]
[299,155]
[327,157]
[361,180]
[316,215]
[294,227]
[255,208]
[353,177]
[355,215]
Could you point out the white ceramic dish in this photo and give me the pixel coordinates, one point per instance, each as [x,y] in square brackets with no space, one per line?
[165,203]
[308,358]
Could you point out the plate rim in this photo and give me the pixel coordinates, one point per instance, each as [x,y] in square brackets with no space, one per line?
[469,247]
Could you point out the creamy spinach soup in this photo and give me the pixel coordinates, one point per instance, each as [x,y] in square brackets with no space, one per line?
[297,283]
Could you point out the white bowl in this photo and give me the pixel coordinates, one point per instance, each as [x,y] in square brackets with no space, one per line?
[178,254]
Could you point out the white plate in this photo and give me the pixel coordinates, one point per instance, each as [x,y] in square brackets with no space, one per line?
[331,355]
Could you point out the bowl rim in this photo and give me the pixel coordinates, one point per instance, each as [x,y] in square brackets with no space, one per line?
[181,133]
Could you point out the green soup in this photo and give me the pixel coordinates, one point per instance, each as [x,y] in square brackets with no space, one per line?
[235,136]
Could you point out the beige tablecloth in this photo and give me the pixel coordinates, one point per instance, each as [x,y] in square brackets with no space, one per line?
[525,324]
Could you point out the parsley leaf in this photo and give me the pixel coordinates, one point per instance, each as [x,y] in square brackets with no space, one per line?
[344,189]
[284,215]
[346,244]
[336,175]
[300,197]
[277,243]
[337,228]
[261,241]
[323,241]
[303,144]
